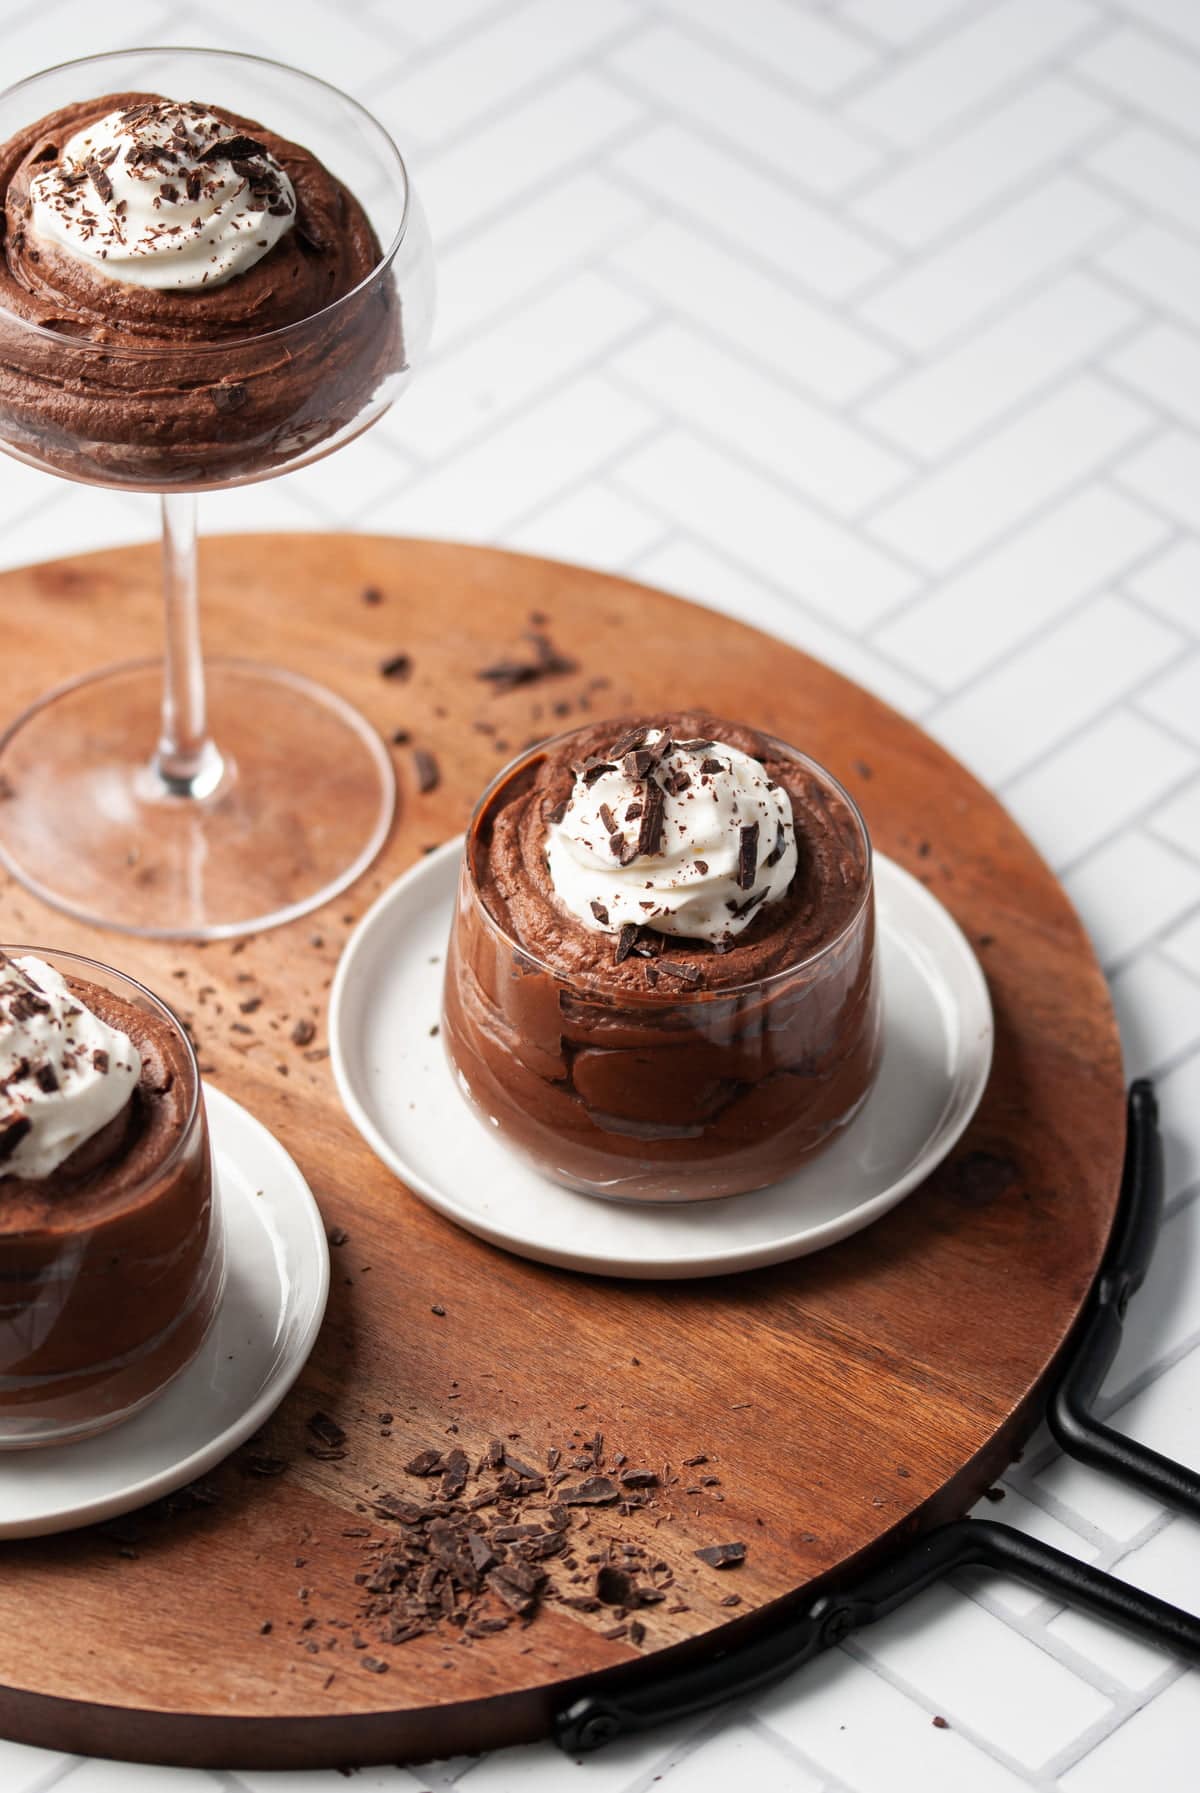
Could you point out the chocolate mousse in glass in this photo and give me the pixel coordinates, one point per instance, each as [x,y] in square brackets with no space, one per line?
[213,270]
[111,1253]
[661,983]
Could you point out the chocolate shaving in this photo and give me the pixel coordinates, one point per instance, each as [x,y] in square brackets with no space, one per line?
[507,675]
[230,395]
[428,771]
[327,1430]
[425,1463]
[99,179]
[632,738]
[676,782]
[593,772]
[625,941]
[609,820]
[650,832]
[636,765]
[455,1479]
[722,1556]
[399,666]
[46,1078]
[747,855]
[615,1586]
[686,974]
[303,1032]
[12,1132]
[100,1060]
[694,746]
[226,148]
[711,765]
[778,850]
[701,866]
[596,1491]
[600,912]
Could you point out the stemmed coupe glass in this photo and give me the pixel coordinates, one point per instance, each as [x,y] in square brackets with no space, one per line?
[173,798]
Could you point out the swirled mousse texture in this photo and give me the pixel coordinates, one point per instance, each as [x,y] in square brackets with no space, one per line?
[630,1059]
[154,248]
[111,1266]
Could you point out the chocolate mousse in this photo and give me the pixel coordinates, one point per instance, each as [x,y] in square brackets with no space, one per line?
[157,247]
[110,1253]
[661,978]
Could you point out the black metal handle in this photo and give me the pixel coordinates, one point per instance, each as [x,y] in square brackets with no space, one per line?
[656,1698]
[596,1719]
[1071,1413]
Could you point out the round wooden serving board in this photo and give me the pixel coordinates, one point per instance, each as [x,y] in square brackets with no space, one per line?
[842,1400]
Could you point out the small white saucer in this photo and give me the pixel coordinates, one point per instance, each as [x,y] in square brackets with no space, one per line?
[277,1280]
[402,1095]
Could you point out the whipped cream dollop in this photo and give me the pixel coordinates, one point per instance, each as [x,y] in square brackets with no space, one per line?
[64,1073]
[163,195]
[684,837]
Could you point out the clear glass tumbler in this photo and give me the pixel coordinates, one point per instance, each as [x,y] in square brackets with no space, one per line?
[177,798]
[109,1281]
[662,1095]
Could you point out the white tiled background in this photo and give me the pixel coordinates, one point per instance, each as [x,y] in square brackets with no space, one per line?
[877,323]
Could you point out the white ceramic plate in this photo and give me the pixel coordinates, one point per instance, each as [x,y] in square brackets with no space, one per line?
[402,1095]
[277,1280]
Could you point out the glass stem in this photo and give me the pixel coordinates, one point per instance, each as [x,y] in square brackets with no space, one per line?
[186,761]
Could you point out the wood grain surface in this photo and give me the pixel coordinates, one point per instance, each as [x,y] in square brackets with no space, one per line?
[842,1400]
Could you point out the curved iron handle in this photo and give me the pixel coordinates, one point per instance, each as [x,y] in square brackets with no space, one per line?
[655,1698]
[1071,1413]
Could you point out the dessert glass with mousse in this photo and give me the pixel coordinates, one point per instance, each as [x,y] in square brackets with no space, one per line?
[661,983]
[213,270]
[112,1259]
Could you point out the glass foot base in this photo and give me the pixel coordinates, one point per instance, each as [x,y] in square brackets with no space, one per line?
[302,805]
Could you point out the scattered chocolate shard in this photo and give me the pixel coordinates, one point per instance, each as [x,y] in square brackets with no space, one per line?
[591,773]
[429,774]
[304,1032]
[600,912]
[634,811]
[625,942]
[226,148]
[780,847]
[397,666]
[486,1627]
[676,783]
[694,746]
[98,176]
[229,395]
[596,1491]
[628,852]
[425,1463]
[375,1665]
[259,1464]
[722,1556]
[631,739]
[609,820]
[639,1478]
[326,1430]
[635,765]
[481,1553]
[747,855]
[731,1600]
[675,968]
[507,675]
[637,1631]
[556,814]
[650,832]
[616,1587]
[458,1467]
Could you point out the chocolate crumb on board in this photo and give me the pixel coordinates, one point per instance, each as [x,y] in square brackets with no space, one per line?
[722,1556]
[303,1032]
[372,595]
[439,1310]
[326,1430]
[401,737]
[260,1464]
[940,1724]
[337,1235]
[397,666]
[429,774]
[548,662]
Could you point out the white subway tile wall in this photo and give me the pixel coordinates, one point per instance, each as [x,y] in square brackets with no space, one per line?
[876,323]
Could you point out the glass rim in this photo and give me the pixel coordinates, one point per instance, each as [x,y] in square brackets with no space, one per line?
[656,997]
[156,347]
[54,954]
